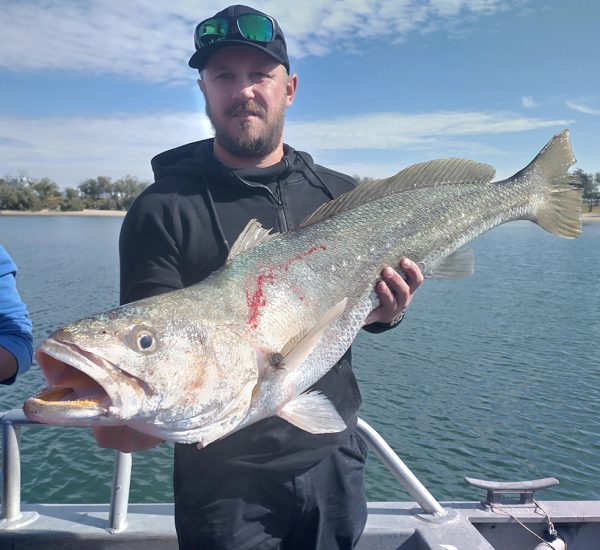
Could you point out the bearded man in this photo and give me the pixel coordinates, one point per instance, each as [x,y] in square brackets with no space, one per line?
[270,485]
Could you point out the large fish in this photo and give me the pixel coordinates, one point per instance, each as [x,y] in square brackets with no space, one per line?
[197,364]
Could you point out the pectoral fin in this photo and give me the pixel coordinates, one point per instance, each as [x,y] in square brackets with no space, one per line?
[297,350]
[313,412]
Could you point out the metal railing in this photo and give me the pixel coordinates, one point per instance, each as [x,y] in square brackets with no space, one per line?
[399,470]
[12,516]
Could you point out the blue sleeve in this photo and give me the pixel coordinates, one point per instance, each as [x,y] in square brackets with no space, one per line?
[15,325]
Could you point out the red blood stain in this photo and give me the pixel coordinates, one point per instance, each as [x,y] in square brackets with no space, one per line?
[257,299]
[303,255]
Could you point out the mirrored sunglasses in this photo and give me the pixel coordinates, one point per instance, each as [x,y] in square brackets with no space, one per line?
[250,26]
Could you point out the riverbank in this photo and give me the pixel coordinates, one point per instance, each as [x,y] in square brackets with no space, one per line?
[86,212]
[585,216]
[590,217]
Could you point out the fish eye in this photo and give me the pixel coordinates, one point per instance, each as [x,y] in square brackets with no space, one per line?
[143,339]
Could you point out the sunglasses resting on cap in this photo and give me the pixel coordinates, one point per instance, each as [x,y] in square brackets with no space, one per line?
[238,25]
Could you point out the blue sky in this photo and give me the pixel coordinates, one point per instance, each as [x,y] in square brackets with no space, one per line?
[95,87]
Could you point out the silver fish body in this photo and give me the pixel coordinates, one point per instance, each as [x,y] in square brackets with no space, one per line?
[197,364]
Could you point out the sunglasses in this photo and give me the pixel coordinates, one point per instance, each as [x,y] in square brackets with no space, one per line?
[251,27]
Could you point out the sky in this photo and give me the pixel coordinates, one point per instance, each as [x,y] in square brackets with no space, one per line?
[98,87]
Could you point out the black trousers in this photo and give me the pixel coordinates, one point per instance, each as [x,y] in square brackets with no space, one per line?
[323,508]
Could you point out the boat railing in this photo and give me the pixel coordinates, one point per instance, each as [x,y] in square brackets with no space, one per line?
[12,516]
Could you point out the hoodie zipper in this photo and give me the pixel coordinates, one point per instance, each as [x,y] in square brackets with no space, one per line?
[280,210]
[277,196]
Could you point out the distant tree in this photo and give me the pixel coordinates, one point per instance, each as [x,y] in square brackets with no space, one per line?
[16,196]
[585,180]
[588,185]
[105,185]
[48,193]
[126,189]
[8,195]
[597,190]
[72,201]
[20,192]
[92,188]
[96,193]
[16,180]
[360,180]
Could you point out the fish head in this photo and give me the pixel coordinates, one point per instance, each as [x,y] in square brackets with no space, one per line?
[156,368]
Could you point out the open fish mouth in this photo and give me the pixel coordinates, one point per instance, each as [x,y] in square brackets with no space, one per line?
[79,385]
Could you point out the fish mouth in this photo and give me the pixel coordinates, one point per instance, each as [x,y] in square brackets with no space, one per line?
[82,387]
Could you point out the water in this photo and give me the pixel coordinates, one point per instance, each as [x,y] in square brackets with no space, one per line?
[496,376]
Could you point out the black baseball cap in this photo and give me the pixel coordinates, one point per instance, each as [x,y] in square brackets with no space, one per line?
[239,26]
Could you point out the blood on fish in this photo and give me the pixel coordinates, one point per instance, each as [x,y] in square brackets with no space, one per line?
[257,299]
[303,255]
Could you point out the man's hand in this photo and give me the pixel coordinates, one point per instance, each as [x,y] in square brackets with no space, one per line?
[124,439]
[395,293]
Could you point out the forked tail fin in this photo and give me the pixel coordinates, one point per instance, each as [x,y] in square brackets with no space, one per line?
[559,211]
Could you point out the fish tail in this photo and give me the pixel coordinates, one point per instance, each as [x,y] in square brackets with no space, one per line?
[559,210]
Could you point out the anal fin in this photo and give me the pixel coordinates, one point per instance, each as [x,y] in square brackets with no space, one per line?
[458,265]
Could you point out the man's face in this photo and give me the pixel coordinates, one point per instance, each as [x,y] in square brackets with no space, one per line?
[246,93]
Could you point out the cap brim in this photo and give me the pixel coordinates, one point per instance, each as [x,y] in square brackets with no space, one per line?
[199,59]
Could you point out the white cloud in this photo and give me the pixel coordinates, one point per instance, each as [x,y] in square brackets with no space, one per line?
[152,41]
[419,131]
[528,102]
[580,107]
[69,150]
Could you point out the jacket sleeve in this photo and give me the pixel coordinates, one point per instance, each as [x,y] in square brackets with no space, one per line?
[149,248]
[15,325]
[376,328]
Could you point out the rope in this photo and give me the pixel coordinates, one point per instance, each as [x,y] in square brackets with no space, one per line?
[538,506]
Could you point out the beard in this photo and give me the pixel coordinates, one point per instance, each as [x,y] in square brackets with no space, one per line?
[246,144]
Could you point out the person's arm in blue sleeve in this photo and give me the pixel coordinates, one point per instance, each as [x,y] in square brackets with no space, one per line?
[16,343]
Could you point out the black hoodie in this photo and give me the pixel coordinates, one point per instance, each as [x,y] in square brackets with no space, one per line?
[181,228]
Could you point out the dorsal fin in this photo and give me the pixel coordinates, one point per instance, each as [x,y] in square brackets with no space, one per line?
[424,174]
[252,235]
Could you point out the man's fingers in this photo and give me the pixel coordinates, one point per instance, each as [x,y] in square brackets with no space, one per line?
[387,299]
[395,292]
[413,274]
[397,286]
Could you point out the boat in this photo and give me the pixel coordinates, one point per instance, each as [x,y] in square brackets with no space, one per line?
[509,517]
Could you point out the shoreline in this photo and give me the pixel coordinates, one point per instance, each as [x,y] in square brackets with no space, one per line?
[586,217]
[86,212]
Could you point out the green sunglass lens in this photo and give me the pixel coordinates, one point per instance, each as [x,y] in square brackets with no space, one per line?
[212,30]
[255,27]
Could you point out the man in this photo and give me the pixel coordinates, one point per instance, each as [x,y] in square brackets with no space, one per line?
[16,344]
[269,485]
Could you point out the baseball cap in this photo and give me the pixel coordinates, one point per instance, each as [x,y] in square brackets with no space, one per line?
[239,26]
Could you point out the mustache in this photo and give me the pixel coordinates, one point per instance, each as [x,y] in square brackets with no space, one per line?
[248,107]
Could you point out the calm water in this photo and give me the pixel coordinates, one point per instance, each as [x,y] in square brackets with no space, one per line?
[495,377]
